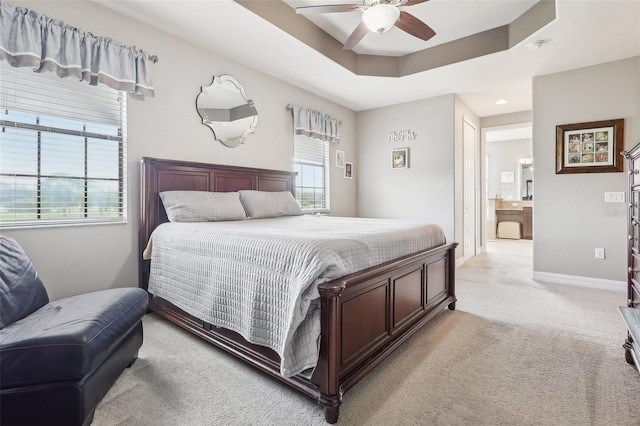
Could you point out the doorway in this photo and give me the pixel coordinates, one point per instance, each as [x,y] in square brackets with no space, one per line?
[508,189]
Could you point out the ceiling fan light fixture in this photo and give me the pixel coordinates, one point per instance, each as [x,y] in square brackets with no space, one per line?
[381,17]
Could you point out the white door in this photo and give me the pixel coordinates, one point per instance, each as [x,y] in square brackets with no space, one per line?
[469,203]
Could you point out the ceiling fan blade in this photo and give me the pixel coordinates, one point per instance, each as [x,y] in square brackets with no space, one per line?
[412,2]
[412,25]
[355,37]
[327,8]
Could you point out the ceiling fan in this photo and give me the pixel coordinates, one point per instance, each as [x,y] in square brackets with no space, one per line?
[377,16]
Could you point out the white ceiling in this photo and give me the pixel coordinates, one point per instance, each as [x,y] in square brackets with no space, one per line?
[585,32]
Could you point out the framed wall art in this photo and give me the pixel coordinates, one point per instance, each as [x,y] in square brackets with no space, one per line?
[339,159]
[590,147]
[348,170]
[400,158]
[507,177]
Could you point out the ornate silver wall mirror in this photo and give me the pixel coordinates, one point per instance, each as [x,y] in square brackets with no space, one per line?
[225,109]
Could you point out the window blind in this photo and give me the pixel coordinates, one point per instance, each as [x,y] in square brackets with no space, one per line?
[62,150]
[311,162]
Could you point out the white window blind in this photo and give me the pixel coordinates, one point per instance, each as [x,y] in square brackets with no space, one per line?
[62,150]
[311,162]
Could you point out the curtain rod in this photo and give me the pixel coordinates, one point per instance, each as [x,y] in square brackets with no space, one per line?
[290,107]
[153,58]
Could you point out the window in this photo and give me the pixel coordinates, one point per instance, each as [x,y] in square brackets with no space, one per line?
[62,150]
[311,162]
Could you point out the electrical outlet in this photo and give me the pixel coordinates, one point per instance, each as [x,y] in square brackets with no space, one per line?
[599,253]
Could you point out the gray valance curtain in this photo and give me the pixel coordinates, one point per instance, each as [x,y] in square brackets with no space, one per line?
[314,124]
[30,39]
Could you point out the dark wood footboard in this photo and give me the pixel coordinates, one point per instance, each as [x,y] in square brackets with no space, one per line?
[365,316]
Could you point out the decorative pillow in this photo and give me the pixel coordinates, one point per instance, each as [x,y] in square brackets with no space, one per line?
[21,291]
[263,204]
[202,206]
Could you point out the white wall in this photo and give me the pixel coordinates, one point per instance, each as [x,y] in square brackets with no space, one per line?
[73,260]
[570,216]
[424,191]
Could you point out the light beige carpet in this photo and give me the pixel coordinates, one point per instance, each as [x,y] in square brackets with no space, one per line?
[514,352]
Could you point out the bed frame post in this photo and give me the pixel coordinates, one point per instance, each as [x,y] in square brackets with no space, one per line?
[330,392]
[451,271]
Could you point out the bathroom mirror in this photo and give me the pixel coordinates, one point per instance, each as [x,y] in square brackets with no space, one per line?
[527,182]
[226,110]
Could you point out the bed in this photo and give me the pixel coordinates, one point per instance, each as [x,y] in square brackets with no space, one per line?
[360,317]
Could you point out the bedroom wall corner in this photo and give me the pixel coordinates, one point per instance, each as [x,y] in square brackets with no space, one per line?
[424,190]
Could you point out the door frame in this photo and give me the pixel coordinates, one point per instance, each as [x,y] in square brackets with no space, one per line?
[476,201]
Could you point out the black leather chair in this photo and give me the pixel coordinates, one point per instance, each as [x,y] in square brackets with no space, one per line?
[58,359]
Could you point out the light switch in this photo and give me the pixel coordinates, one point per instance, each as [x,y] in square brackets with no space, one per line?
[614,197]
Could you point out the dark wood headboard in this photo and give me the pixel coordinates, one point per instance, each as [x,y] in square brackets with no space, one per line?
[158,175]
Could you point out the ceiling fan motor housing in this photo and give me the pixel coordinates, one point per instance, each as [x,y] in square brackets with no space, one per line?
[380,17]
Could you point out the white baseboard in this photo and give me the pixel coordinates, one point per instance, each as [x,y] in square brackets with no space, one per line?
[580,281]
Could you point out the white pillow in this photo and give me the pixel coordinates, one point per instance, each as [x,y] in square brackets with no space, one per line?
[263,204]
[202,206]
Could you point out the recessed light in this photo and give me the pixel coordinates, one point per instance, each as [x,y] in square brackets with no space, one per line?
[501,102]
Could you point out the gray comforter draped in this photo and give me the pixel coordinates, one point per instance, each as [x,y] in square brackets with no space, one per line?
[259,277]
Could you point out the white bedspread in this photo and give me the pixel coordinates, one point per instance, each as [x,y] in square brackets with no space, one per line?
[259,277]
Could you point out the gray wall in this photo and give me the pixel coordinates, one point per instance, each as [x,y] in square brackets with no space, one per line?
[78,259]
[424,191]
[431,189]
[570,216]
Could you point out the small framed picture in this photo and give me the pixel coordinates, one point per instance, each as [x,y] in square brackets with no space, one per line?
[340,159]
[507,177]
[348,170]
[400,158]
